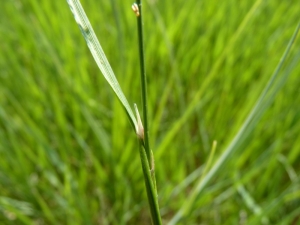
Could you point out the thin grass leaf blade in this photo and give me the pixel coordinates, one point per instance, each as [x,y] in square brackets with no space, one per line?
[247,127]
[99,56]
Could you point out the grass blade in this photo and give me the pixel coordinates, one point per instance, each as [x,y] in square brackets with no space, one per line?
[99,56]
[245,129]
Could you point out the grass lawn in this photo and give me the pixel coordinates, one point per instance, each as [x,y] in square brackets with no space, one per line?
[67,151]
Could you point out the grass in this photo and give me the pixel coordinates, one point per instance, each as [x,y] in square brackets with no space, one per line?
[67,151]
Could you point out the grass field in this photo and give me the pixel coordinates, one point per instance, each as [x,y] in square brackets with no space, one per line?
[67,151]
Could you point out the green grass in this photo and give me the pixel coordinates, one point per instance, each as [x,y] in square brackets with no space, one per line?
[67,151]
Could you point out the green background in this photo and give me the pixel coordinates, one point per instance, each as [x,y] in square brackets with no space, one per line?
[67,152]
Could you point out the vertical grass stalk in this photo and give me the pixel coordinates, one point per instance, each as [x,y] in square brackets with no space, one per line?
[145,150]
[143,79]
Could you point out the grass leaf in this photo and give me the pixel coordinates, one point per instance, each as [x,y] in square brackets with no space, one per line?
[99,56]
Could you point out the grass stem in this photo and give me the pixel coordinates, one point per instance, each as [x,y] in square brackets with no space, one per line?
[143,81]
[145,150]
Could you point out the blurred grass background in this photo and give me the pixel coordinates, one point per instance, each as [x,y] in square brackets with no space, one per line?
[67,151]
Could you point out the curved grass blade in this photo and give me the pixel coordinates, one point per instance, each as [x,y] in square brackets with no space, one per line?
[249,124]
[99,56]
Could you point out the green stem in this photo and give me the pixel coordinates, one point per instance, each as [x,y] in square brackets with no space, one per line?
[151,192]
[143,82]
[146,154]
